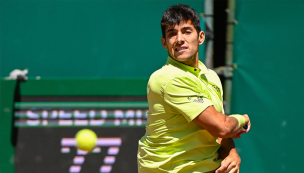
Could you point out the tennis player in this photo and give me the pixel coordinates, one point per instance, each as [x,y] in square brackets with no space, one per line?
[187,130]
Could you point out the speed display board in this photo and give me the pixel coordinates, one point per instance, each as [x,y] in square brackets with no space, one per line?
[45,134]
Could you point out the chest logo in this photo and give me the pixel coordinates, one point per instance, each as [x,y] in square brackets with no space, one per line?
[216,88]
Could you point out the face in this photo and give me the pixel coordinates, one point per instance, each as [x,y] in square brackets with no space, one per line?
[182,42]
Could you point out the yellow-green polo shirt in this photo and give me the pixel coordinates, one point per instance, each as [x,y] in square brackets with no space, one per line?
[177,93]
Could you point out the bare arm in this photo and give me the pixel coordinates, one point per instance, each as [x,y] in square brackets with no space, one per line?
[218,124]
[231,159]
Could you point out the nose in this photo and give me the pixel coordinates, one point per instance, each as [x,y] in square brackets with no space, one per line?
[180,38]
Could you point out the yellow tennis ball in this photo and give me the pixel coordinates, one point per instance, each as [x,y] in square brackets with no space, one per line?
[86,139]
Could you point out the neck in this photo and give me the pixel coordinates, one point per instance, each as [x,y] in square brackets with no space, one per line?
[193,61]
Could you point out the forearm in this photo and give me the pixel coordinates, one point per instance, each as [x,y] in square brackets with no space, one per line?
[220,125]
[229,127]
[227,147]
[231,160]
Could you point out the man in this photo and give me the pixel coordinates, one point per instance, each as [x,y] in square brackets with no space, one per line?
[187,130]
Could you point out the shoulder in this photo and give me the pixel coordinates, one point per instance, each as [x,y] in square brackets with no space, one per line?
[169,75]
[214,78]
[213,74]
[164,74]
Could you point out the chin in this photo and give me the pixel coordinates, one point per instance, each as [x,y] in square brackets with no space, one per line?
[183,58]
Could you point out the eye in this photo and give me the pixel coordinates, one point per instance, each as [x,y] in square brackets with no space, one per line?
[170,34]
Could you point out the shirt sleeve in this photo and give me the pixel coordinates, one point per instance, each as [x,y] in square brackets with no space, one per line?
[188,97]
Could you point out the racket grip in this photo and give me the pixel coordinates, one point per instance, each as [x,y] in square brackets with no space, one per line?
[245,127]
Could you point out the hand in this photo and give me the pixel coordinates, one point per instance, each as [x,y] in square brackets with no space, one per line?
[238,135]
[242,130]
[247,120]
[230,163]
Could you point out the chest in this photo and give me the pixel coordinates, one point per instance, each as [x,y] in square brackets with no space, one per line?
[211,84]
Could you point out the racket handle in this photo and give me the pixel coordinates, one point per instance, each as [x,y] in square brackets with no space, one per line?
[245,127]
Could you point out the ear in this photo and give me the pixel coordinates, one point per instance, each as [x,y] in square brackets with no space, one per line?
[201,37]
[164,43]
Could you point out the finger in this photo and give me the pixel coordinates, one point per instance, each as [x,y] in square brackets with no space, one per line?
[234,170]
[219,171]
[249,126]
[223,167]
[242,132]
[239,134]
[236,137]
[231,166]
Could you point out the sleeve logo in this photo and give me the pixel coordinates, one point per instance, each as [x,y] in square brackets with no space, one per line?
[196,99]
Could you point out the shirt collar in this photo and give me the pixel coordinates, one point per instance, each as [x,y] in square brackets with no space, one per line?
[202,69]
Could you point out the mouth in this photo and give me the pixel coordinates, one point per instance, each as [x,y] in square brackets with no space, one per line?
[181,49]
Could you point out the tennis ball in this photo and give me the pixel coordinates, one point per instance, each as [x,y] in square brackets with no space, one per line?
[86,139]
